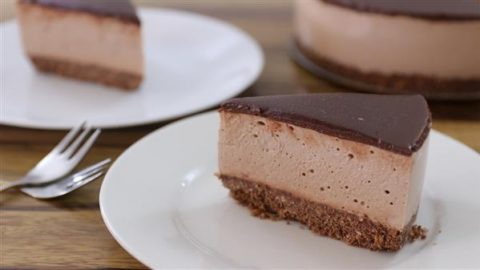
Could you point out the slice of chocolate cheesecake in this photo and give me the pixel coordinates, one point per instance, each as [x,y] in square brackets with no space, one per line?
[98,41]
[436,53]
[349,166]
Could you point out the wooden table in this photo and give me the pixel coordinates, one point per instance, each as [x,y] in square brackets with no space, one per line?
[69,233]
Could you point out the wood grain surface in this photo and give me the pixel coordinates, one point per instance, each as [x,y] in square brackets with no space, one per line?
[68,233]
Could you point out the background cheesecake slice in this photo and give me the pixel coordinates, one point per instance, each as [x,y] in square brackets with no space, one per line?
[97,41]
[398,46]
[349,166]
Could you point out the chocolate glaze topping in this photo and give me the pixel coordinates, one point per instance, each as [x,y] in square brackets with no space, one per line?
[121,9]
[397,123]
[427,9]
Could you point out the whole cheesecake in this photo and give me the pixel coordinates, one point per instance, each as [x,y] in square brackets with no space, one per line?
[98,41]
[349,166]
[398,46]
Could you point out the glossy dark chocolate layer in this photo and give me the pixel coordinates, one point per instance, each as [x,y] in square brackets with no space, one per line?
[121,9]
[397,123]
[428,9]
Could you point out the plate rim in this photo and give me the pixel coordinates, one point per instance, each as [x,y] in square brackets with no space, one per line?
[22,122]
[154,133]
[102,191]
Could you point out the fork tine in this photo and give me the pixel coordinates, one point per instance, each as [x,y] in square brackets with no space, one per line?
[68,138]
[60,188]
[93,168]
[71,149]
[86,146]
[68,184]
[87,179]
[81,176]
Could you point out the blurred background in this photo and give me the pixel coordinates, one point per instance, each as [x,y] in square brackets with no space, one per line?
[270,23]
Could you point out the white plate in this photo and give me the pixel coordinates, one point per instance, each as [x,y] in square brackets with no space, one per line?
[193,62]
[162,203]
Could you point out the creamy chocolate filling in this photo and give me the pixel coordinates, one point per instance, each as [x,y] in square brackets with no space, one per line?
[81,38]
[347,175]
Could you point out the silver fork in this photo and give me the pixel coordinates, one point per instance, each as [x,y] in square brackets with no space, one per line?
[61,160]
[68,183]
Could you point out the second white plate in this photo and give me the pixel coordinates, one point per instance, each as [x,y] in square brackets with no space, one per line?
[163,204]
[193,62]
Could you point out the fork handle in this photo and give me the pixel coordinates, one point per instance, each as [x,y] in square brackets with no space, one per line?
[12,184]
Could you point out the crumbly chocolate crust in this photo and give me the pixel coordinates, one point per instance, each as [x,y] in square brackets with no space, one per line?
[417,232]
[91,73]
[445,10]
[268,202]
[430,87]
[120,9]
